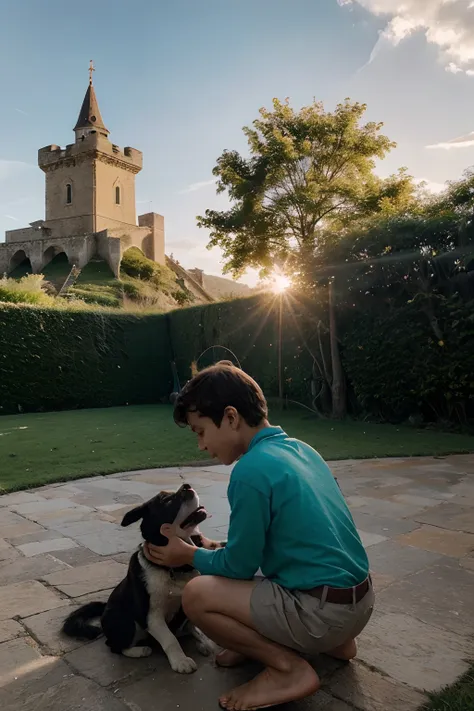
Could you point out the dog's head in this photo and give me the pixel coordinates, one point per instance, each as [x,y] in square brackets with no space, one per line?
[173,513]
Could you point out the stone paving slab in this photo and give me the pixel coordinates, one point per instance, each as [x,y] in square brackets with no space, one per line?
[446,542]
[414,652]
[23,569]
[95,661]
[7,551]
[47,546]
[441,596]
[415,519]
[393,558]
[9,629]
[14,655]
[450,516]
[199,691]
[73,693]
[388,527]
[25,599]
[88,578]
[20,497]
[367,690]
[45,626]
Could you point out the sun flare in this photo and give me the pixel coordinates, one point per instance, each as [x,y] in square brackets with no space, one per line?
[280,283]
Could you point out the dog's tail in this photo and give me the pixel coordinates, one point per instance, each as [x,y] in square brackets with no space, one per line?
[77,623]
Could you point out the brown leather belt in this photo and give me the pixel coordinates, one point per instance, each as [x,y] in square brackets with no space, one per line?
[342,596]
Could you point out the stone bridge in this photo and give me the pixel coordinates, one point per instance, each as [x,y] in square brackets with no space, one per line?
[40,252]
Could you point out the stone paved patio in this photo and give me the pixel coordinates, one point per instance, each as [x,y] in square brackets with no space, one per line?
[62,545]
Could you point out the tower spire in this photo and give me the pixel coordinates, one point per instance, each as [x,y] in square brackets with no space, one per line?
[91,69]
[89,115]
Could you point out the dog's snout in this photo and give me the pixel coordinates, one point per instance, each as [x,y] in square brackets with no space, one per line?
[186,492]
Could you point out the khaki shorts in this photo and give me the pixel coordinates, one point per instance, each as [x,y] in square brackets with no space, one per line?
[302,622]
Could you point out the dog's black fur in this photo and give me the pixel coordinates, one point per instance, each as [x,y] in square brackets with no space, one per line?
[129,603]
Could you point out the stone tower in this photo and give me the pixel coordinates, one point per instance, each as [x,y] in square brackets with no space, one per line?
[90,185]
[90,202]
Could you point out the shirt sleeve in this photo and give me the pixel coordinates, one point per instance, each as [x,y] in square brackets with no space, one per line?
[249,522]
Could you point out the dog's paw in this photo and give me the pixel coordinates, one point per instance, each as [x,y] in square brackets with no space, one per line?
[137,652]
[184,665]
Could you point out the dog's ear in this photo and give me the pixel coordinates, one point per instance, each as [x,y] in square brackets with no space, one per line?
[134,515]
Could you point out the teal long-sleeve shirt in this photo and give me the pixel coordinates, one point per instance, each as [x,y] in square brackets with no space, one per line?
[288,518]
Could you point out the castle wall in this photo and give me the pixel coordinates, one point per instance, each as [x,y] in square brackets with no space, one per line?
[109,248]
[77,217]
[108,178]
[23,234]
[153,246]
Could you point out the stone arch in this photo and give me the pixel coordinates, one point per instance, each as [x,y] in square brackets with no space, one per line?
[20,262]
[54,252]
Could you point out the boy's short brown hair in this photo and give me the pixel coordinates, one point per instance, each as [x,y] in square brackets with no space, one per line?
[220,386]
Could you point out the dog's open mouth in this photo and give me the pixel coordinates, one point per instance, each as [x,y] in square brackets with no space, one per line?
[195,518]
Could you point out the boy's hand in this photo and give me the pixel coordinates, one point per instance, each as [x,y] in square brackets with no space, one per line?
[211,545]
[174,555]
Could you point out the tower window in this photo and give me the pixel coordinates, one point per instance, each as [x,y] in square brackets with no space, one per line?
[68,193]
[117,195]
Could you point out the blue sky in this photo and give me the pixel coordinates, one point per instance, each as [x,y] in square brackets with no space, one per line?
[178,79]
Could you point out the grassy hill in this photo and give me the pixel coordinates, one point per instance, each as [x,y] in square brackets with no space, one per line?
[143,285]
[221,288]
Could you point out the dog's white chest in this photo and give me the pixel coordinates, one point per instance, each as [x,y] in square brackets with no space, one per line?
[165,589]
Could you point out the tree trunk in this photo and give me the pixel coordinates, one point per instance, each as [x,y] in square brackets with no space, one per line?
[338,386]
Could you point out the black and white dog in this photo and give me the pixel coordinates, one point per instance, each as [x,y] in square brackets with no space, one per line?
[148,600]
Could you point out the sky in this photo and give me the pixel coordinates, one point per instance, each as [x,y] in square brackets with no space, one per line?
[179,79]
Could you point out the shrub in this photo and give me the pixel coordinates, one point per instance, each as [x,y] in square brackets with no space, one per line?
[27,290]
[135,264]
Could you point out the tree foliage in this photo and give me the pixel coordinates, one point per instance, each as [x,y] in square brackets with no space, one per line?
[307,170]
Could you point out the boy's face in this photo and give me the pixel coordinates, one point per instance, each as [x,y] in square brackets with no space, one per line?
[224,442]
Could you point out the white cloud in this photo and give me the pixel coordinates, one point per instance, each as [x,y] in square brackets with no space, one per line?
[430,185]
[10,217]
[453,68]
[198,186]
[448,24]
[461,142]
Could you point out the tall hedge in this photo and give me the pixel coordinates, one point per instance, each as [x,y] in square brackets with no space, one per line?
[395,365]
[398,367]
[249,327]
[60,360]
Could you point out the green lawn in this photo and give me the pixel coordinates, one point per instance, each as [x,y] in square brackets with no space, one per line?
[457,697]
[40,448]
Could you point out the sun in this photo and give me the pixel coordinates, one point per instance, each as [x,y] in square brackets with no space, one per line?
[280,283]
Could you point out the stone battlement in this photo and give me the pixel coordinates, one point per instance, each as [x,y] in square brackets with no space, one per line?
[94,144]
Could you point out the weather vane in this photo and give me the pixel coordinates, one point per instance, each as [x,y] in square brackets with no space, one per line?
[91,69]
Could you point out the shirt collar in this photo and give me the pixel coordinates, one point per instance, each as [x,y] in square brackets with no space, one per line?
[265,434]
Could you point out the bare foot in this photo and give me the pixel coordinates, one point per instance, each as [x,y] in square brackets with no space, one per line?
[228,658]
[272,687]
[346,651]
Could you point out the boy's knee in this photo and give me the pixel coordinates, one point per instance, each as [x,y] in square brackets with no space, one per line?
[194,597]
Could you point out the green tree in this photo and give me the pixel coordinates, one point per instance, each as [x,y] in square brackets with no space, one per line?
[306,170]
[308,173]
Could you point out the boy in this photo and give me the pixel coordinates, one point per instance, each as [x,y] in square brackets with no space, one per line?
[289,519]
